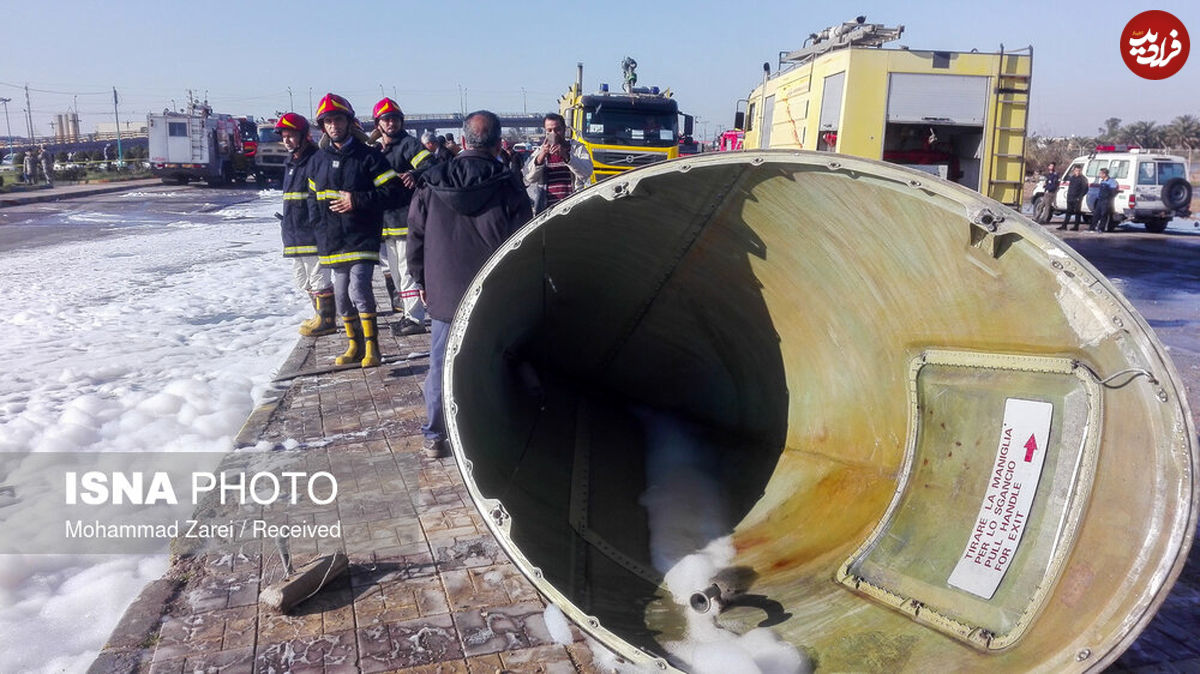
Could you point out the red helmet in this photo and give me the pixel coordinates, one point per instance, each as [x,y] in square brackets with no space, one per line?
[292,120]
[332,103]
[386,107]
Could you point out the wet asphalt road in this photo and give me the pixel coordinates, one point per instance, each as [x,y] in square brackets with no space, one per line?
[1160,275]
[48,223]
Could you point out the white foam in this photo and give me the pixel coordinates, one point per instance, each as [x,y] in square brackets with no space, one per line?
[690,543]
[558,625]
[160,339]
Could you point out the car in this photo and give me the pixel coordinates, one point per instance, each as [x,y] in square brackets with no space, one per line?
[1154,187]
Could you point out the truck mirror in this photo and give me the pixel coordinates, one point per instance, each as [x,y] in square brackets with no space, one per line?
[739,120]
[688,121]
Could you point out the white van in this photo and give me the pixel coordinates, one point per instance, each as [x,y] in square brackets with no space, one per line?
[1154,187]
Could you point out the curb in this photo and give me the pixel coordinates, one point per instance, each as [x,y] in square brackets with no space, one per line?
[129,647]
[261,416]
[52,195]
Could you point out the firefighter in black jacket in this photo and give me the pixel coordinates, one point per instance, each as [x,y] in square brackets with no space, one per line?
[298,225]
[350,185]
[408,158]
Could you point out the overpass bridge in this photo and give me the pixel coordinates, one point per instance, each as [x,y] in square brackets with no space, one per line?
[415,123]
[89,143]
[433,121]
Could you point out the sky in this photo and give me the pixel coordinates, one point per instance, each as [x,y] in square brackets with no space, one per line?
[521,55]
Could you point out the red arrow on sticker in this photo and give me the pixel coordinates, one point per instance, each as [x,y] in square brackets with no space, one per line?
[1030,448]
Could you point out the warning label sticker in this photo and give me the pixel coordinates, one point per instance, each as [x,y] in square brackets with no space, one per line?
[1012,482]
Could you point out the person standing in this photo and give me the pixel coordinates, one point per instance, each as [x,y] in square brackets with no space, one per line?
[559,168]
[463,213]
[509,156]
[435,144]
[1106,190]
[350,185]
[30,166]
[298,225]
[451,146]
[1046,206]
[47,161]
[407,158]
[1077,187]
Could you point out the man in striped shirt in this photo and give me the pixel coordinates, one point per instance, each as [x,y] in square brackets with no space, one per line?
[559,168]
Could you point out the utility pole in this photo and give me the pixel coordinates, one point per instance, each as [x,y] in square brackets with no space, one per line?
[5,102]
[291,101]
[524,108]
[117,117]
[29,113]
[310,107]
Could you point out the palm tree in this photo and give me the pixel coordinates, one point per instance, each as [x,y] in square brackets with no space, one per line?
[1184,131]
[1110,130]
[1144,134]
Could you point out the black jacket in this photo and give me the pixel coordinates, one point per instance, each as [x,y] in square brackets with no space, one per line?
[1077,187]
[405,155]
[346,238]
[459,217]
[299,215]
[1052,181]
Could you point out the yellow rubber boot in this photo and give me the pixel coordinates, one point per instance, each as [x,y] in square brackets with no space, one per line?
[353,351]
[307,327]
[326,317]
[370,341]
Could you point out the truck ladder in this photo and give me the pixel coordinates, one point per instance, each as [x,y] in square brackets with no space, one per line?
[199,138]
[1006,177]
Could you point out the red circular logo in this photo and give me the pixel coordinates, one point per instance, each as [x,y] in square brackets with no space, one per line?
[1155,44]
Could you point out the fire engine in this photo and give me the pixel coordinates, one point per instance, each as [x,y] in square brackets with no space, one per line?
[959,115]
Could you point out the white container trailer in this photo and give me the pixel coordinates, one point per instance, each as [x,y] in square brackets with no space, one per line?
[194,146]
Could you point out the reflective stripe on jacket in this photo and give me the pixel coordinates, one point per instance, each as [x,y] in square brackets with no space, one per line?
[361,170]
[298,226]
[406,154]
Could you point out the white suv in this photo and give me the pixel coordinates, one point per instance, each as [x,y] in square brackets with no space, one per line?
[1154,187]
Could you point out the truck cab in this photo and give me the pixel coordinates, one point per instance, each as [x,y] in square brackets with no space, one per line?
[271,155]
[624,130]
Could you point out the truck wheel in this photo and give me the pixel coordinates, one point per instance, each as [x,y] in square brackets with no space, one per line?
[1176,194]
[1157,225]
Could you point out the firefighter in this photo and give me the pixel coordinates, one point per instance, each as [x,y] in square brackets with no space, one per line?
[406,156]
[351,184]
[298,226]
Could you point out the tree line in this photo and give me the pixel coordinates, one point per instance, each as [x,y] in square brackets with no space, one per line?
[1181,135]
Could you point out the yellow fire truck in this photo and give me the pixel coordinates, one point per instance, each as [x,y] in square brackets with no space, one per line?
[623,130]
[959,115]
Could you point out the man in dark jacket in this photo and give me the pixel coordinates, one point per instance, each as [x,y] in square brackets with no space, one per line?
[407,158]
[351,184]
[1046,206]
[1077,188]
[464,212]
[298,225]
[1105,189]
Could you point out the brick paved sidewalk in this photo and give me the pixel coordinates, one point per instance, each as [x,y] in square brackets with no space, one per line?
[428,590]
